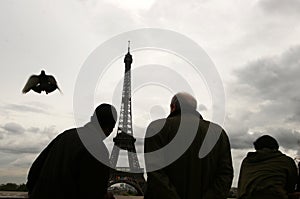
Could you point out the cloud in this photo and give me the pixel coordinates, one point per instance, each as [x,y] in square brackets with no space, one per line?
[24,108]
[241,141]
[202,107]
[13,128]
[18,148]
[33,129]
[272,84]
[15,139]
[107,18]
[264,100]
[23,162]
[133,4]
[281,7]
[84,27]
[287,138]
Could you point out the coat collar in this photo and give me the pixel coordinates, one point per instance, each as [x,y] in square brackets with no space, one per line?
[95,129]
[178,113]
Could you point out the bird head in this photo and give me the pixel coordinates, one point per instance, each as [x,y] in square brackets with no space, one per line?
[43,72]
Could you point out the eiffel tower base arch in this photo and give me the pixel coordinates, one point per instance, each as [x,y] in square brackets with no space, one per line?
[136,180]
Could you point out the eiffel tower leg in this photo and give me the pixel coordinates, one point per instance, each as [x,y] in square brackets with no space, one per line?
[114,156]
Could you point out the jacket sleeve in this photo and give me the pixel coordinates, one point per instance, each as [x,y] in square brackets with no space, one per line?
[224,176]
[292,176]
[36,167]
[159,185]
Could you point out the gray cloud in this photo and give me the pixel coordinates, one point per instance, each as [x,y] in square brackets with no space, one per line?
[22,162]
[20,149]
[24,108]
[14,128]
[294,118]
[202,107]
[15,139]
[111,20]
[272,84]
[242,141]
[26,36]
[281,7]
[264,100]
[33,129]
[287,138]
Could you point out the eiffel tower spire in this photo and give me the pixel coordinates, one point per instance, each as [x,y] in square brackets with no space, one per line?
[129,46]
[128,60]
[124,139]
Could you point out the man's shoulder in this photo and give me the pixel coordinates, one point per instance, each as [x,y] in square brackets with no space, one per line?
[287,158]
[155,126]
[215,125]
[158,122]
[212,126]
[69,135]
[65,133]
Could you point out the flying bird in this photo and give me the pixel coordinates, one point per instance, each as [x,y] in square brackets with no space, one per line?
[41,82]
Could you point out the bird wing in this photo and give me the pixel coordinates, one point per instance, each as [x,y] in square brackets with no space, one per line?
[31,82]
[52,81]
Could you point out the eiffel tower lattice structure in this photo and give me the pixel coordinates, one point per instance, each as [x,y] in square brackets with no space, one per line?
[124,140]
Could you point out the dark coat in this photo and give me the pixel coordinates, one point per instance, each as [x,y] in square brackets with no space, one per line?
[188,177]
[65,169]
[267,174]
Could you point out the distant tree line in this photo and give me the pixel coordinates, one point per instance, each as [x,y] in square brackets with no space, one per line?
[13,187]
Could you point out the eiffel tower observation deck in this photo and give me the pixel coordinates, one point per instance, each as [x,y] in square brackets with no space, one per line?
[125,140]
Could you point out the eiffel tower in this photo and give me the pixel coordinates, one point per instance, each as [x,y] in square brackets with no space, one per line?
[124,140]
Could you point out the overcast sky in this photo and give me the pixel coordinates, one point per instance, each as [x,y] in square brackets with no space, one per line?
[255,46]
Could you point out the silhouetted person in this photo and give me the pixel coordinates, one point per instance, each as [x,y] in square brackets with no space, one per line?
[67,169]
[266,173]
[298,181]
[39,83]
[188,177]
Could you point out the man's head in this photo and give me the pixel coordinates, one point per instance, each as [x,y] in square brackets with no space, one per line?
[183,101]
[106,116]
[266,141]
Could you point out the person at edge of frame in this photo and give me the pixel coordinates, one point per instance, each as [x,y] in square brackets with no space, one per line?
[267,173]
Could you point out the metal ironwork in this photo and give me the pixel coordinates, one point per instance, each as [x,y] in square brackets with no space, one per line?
[124,139]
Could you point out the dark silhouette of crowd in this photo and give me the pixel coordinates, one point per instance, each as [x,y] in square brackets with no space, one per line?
[67,169]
